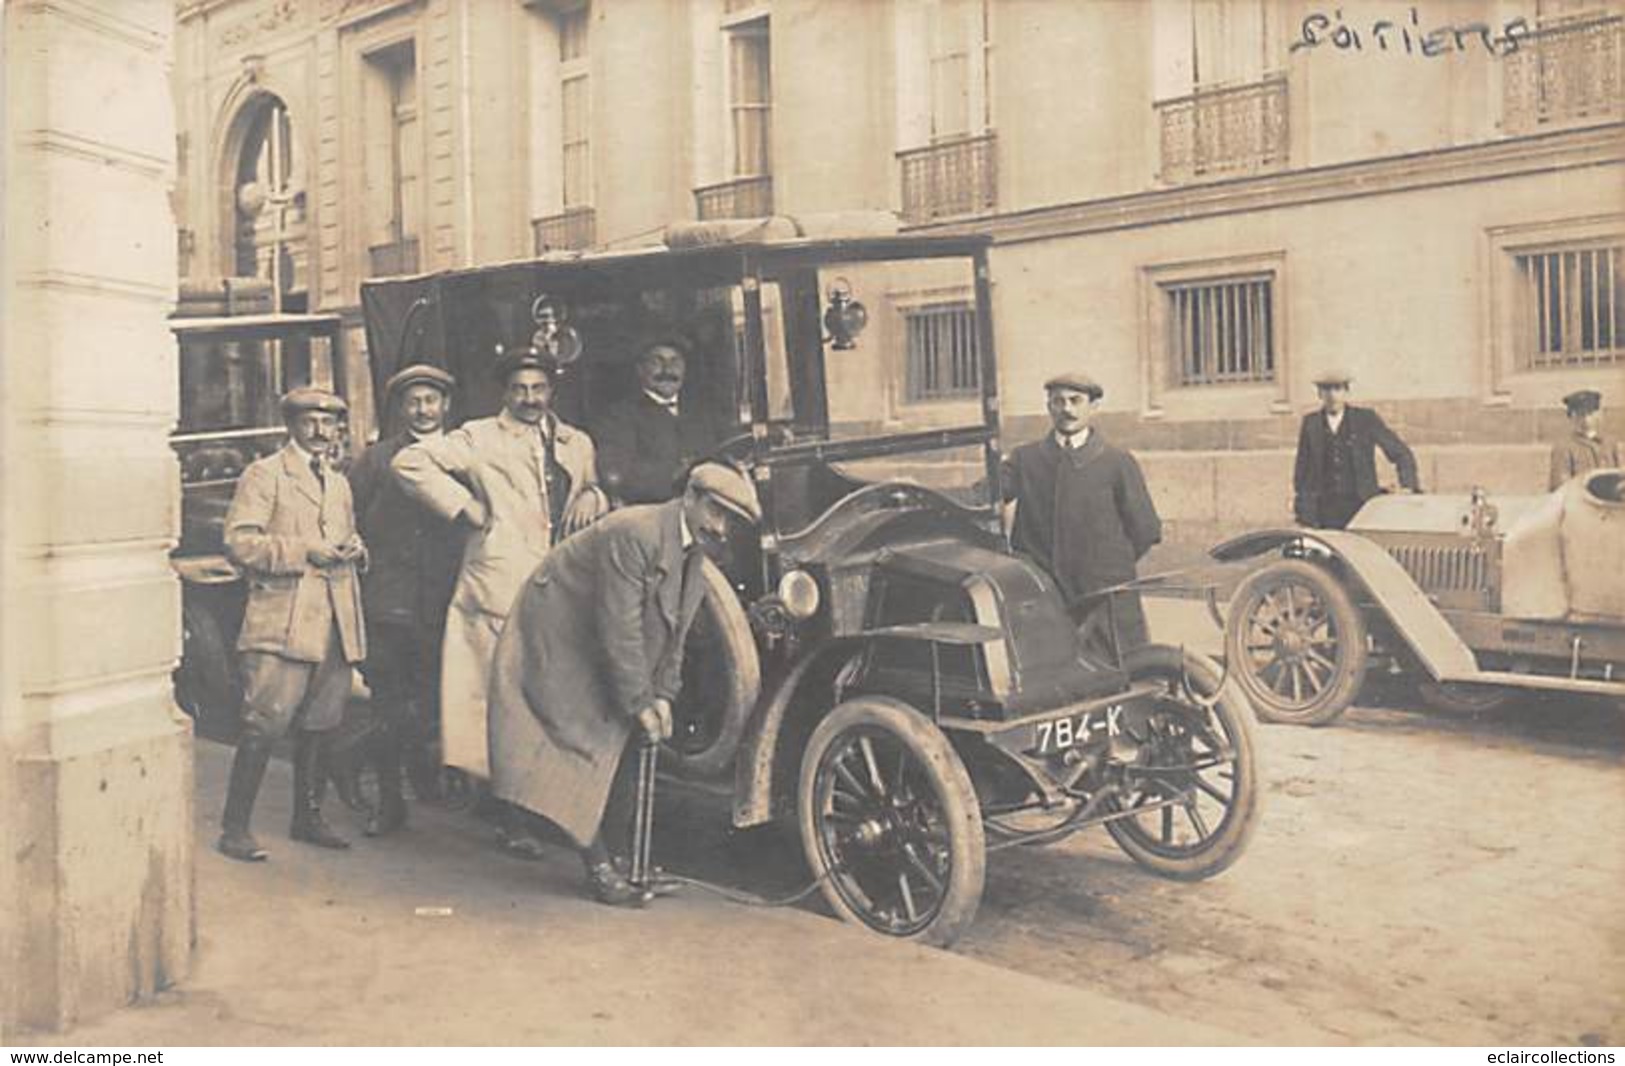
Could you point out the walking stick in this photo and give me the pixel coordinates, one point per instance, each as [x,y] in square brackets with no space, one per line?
[643,823]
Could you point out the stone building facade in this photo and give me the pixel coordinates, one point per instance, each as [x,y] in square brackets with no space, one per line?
[1202,202]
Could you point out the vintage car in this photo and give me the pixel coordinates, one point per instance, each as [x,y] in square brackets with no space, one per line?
[1479,598]
[872,667]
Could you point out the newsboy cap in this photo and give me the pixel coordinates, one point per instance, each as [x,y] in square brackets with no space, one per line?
[728,486]
[1333,376]
[511,362]
[1077,382]
[419,374]
[1583,401]
[310,398]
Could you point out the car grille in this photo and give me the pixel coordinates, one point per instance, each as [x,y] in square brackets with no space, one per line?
[1465,567]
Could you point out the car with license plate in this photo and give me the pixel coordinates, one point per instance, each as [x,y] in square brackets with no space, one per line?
[1481,599]
[873,666]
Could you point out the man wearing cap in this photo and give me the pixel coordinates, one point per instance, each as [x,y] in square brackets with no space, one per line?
[407,589]
[1336,467]
[1082,508]
[517,482]
[591,661]
[648,440]
[1585,449]
[291,528]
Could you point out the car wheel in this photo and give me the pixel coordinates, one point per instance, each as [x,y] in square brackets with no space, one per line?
[206,687]
[1296,643]
[722,676]
[1196,769]
[1456,698]
[890,822]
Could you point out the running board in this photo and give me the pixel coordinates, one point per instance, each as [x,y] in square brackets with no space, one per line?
[1588,686]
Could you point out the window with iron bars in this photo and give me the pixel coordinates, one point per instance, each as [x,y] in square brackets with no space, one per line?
[944,359]
[1570,304]
[1221,332]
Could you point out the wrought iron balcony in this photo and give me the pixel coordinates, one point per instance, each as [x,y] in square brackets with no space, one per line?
[573,230]
[1219,133]
[739,198]
[1566,72]
[950,178]
[397,257]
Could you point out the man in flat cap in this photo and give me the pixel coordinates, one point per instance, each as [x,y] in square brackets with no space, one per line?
[1336,467]
[517,482]
[591,661]
[406,591]
[291,528]
[1585,448]
[1082,507]
[649,439]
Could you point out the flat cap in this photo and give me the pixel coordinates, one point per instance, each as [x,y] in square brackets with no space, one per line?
[419,374]
[1077,382]
[1333,376]
[310,398]
[511,362]
[1583,401]
[728,486]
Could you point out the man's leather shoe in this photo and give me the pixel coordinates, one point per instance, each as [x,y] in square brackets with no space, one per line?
[609,887]
[313,829]
[240,846]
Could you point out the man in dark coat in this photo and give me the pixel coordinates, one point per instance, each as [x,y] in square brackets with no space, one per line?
[1336,469]
[407,590]
[591,660]
[1082,508]
[648,440]
[1585,449]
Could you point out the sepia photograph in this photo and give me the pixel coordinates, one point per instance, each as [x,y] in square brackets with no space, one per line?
[716,524]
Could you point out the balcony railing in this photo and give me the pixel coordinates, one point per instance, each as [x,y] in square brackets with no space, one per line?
[573,230]
[739,198]
[1566,72]
[397,257]
[1216,133]
[950,179]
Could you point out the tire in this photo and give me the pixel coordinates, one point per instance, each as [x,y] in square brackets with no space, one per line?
[206,685]
[1181,734]
[1455,698]
[915,831]
[1296,643]
[722,678]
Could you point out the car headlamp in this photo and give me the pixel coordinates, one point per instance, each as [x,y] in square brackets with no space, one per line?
[798,591]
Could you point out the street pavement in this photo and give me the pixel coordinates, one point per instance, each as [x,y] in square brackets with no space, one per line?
[433,937]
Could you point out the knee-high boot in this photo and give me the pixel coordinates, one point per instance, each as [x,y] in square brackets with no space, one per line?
[247,771]
[309,782]
[389,813]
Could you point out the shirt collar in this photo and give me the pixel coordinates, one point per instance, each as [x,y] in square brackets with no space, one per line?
[299,451]
[1073,440]
[670,405]
[513,425]
[431,435]
[684,534]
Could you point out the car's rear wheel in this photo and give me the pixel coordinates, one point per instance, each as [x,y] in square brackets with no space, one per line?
[890,822]
[1455,698]
[1296,643]
[1196,771]
[206,685]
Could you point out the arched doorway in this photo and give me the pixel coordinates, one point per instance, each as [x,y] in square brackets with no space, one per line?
[268,217]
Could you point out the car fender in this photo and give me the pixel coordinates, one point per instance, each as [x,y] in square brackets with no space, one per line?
[1437,646]
[759,748]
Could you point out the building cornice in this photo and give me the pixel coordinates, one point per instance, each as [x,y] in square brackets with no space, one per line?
[103,22]
[1590,146]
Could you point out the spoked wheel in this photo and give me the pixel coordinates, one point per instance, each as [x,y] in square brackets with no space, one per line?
[1196,775]
[890,821]
[1296,643]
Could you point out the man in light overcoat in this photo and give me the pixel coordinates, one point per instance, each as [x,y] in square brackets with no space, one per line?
[291,529]
[591,662]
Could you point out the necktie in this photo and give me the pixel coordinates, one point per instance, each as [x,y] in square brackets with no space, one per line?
[316,468]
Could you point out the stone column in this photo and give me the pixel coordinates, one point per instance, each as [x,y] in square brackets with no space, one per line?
[95,761]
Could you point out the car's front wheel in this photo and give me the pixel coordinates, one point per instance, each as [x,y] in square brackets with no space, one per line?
[890,822]
[1296,643]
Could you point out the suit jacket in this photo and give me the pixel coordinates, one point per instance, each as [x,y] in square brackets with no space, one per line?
[595,636]
[1083,513]
[1366,433]
[414,553]
[1580,454]
[279,512]
[643,450]
[499,460]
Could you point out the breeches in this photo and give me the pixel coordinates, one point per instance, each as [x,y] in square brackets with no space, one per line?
[279,692]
